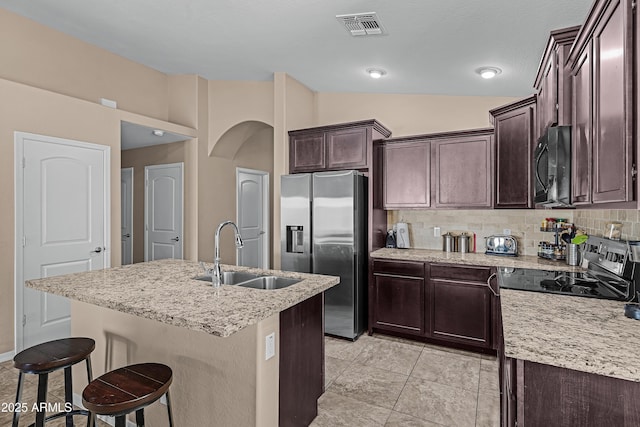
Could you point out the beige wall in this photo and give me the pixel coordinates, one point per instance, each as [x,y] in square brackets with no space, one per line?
[32,110]
[48,59]
[224,378]
[138,159]
[409,114]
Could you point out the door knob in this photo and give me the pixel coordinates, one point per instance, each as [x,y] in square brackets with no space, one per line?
[126,236]
[97,250]
[176,239]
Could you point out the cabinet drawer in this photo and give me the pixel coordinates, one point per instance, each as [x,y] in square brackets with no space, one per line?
[460,272]
[399,268]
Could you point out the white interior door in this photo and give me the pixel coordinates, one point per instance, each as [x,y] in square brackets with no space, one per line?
[62,205]
[126,206]
[253,217]
[163,198]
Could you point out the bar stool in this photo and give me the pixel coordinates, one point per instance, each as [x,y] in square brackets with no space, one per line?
[126,390]
[45,358]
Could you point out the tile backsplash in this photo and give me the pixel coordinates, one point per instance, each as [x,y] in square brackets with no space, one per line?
[523,223]
[593,221]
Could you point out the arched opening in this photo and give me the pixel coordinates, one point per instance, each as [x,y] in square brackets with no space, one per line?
[245,146]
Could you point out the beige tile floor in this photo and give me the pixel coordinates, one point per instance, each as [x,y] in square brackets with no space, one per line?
[375,381]
[9,384]
[383,381]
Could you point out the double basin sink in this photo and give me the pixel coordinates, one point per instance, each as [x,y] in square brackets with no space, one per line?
[250,280]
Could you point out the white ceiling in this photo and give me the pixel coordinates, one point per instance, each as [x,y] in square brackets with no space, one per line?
[432,46]
[133,135]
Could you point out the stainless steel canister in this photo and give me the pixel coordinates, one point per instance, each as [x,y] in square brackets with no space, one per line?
[448,242]
[573,254]
[463,242]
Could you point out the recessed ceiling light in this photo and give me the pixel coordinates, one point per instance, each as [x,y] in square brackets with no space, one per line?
[488,72]
[158,132]
[376,73]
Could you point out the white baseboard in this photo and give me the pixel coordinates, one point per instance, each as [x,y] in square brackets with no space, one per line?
[7,356]
[77,401]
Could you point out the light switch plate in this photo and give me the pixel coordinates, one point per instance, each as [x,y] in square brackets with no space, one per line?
[436,231]
[270,346]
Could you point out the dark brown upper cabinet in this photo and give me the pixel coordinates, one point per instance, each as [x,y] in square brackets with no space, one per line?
[553,82]
[407,174]
[440,170]
[462,169]
[602,63]
[514,127]
[336,147]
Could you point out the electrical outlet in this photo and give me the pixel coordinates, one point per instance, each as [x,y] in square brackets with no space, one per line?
[270,346]
[506,231]
[163,399]
[436,231]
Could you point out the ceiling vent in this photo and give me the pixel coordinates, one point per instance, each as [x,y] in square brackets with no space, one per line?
[362,24]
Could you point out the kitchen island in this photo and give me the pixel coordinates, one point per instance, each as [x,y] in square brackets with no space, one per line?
[212,338]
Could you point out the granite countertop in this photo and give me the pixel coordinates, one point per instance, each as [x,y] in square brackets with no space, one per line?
[584,334]
[166,291]
[473,258]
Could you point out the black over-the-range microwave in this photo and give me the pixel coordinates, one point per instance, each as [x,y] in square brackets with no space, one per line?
[552,167]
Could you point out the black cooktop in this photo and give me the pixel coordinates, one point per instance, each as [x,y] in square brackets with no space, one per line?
[591,283]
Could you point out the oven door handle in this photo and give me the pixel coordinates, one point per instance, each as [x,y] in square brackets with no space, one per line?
[489,284]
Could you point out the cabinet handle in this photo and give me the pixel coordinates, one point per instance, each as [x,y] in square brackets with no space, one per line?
[489,284]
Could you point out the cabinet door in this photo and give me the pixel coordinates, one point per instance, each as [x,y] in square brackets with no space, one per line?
[347,149]
[461,312]
[462,175]
[407,172]
[581,131]
[399,303]
[514,145]
[548,95]
[307,153]
[612,162]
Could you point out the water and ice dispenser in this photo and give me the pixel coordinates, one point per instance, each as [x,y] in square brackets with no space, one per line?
[295,239]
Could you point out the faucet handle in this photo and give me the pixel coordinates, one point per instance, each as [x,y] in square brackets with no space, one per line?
[207,271]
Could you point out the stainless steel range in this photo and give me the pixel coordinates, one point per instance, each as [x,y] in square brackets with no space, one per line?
[610,274]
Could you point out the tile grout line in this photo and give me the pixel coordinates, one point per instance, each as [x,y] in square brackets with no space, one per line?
[393,408]
[478,393]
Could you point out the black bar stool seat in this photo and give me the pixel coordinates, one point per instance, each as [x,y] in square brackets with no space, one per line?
[128,389]
[45,358]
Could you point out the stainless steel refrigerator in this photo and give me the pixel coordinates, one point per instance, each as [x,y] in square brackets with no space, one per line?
[324,231]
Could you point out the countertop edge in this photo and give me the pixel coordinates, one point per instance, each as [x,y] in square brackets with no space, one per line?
[473,258]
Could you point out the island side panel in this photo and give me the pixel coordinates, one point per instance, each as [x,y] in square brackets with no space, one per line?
[215,380]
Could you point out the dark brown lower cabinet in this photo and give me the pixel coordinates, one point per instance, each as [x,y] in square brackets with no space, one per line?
[535,394]
[461,304]
[446,304]
[398,297]
[301,362]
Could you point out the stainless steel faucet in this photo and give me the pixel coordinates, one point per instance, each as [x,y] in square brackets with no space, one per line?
[216,278]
